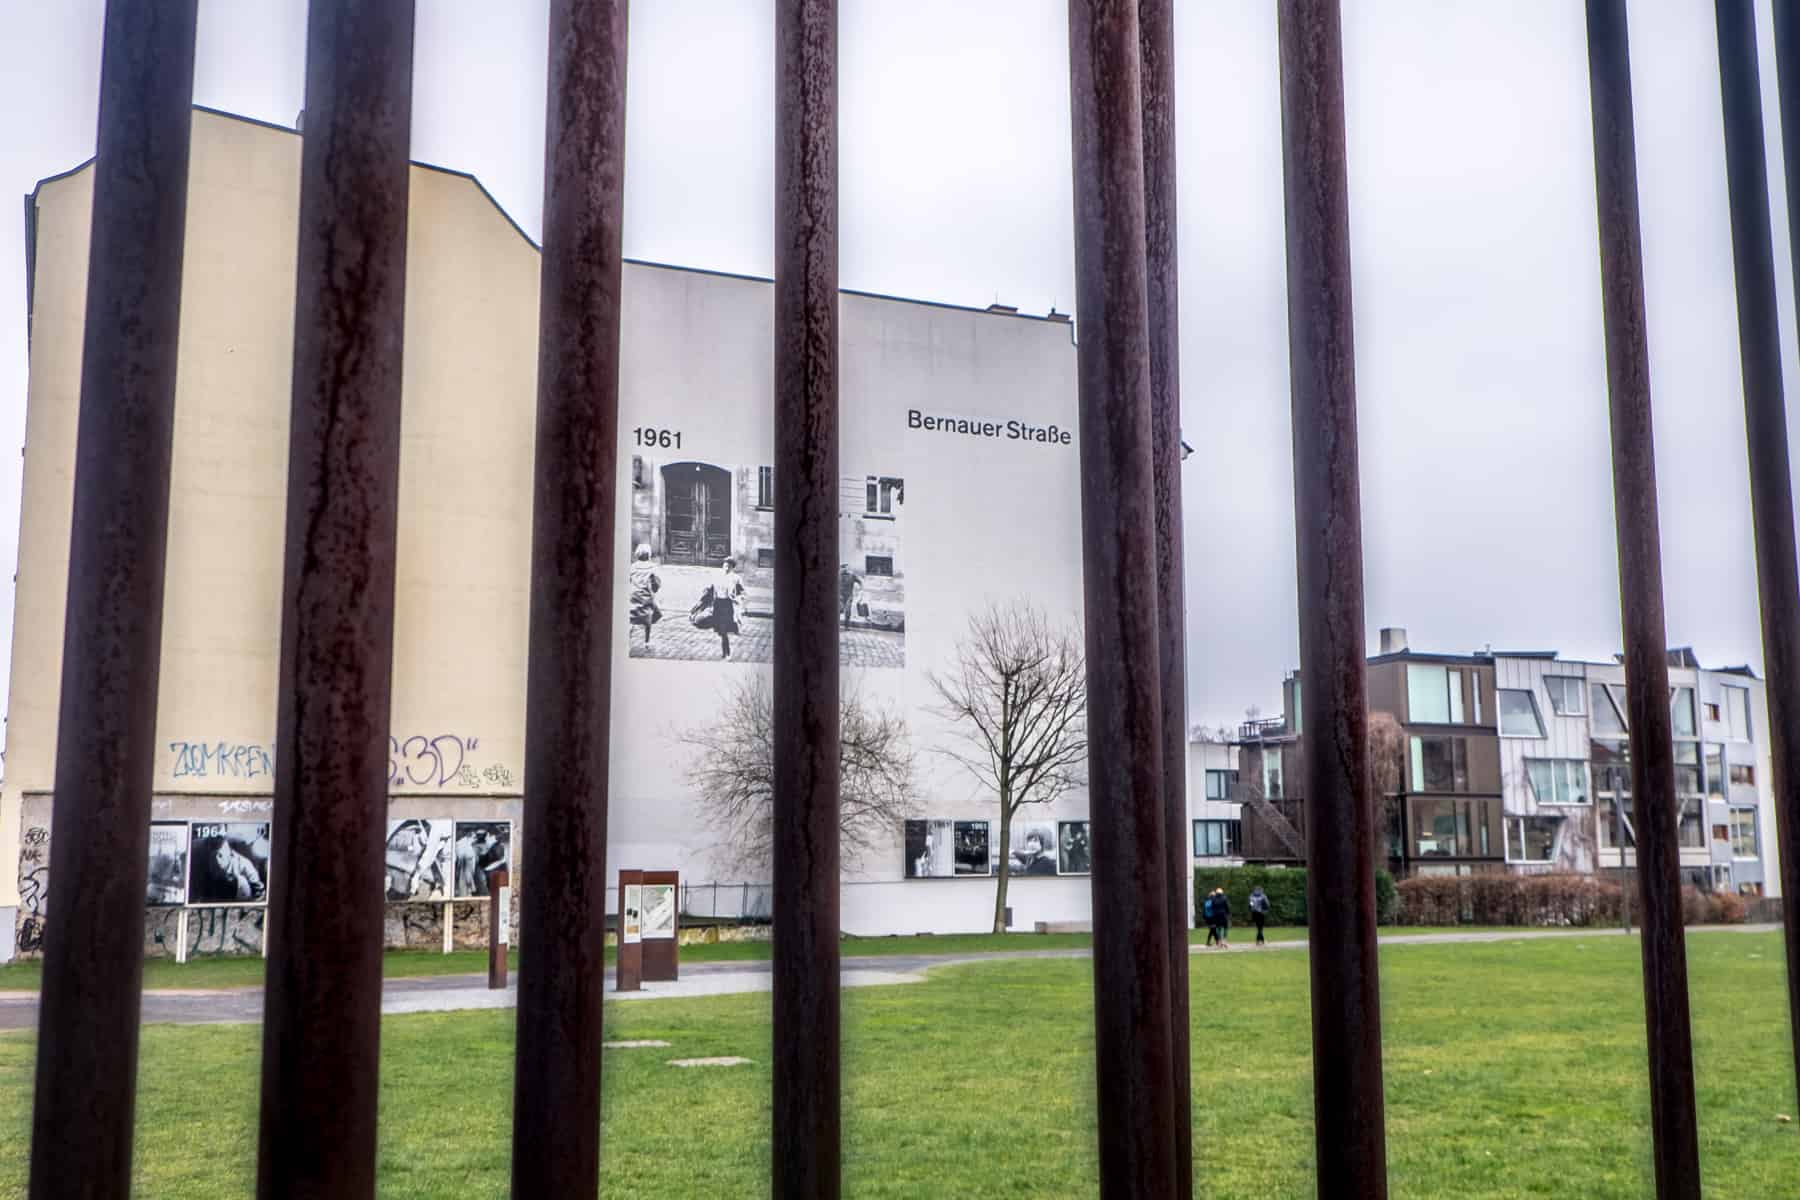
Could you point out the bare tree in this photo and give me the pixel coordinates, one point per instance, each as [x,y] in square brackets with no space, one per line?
[1017,700]
[733,773]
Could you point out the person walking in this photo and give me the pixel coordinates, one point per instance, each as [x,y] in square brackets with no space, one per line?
[726,590]
[645,583]
[849,587]
[1259,911]
[1222,914]
[1209,910]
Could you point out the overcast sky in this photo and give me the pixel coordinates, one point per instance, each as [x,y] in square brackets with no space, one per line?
[1487,503]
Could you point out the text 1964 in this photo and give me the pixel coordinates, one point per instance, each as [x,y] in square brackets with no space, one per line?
[667,439]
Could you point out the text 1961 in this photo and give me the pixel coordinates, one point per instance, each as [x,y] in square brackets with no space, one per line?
[667,439]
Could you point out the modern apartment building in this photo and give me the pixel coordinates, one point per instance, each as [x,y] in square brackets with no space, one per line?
[1520,761]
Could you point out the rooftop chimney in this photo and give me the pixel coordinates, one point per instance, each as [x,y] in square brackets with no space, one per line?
[1393,641]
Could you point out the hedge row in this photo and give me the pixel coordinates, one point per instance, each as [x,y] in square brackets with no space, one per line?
[1286,889]
[1555,899]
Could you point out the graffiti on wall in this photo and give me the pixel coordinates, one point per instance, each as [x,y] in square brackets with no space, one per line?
[420,760]
[225,930]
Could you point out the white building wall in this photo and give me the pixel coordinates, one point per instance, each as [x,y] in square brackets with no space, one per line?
[1565,737]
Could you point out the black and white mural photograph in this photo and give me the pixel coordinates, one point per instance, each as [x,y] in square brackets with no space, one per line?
[228,862]
[1072,851]
[418,859]
[1033,848]
[940,849]
[701,575]
[168,863]
[481,847]
[972,854]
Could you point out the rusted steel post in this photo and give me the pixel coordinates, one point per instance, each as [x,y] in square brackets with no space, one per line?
[1349,1125]
[1133,1032]
[1765,420]
[112,636]
[805,1112]
[568,708]
[1156,35]
[1673,1127]
[317,1135]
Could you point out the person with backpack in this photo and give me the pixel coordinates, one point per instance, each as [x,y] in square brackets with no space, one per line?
[1259,911]
[1222,916]
[1217,911]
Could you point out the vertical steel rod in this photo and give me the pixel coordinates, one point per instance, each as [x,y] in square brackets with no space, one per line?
[556,1083]
[1156,33]
[1348,1115]
[1765,426]
[1673,1128]
[321,1029]
[805,1116]
[1133,1030]
[112,635]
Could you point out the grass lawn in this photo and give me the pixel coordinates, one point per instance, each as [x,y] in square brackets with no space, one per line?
[231,971]
[1513,1069]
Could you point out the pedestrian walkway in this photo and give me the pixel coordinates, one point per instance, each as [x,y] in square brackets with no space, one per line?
[456,993]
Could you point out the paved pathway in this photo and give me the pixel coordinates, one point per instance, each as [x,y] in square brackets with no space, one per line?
[451,993]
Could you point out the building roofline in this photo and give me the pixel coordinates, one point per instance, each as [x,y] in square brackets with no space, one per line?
[1051,318]
[1425,656]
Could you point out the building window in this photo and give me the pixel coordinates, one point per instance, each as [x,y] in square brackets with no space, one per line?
[1681,708]
[765,487]
[1611,836]
[1744,774]
[1447,828]
[1531,839]
[1217,839]
[1737,707]
[1440,764]
[765,556]
[879,565]
[1743,833]
[1272,773]
[1715,770]
[638,474]
[1712,712]
[1519,715]
[1558,780]
[1565,695]
[881,495]
[1219,784]
[1430,698]
[1608,714]
[1687,769]
[1722,833]
[1690,830]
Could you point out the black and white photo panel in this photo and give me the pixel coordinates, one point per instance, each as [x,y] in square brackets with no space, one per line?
[972,854]
[482,847]
[930,849]
[1033,848]
[1072,848]
[701,561]
[418,858]
[228,862]
[168,863]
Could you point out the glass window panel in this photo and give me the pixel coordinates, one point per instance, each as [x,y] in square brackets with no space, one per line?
[1607,718]
[1715,770]
[1681,707]
[1417,759]
[1427,694]
[1565,695]
[1692,828]
[1518,714]
[1456,696]
[1272,782]
[1531,839]
[1743,773]
[1539,772]
[1737,708]
[1743,833]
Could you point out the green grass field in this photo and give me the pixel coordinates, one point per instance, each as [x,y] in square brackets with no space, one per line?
[1513,1069]
[236,971]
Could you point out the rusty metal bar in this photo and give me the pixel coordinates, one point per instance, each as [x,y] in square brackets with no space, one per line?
[112,636]
[317,1136]
[1673,1128]
[1156,35]
[1132,988]
[805,1119]
[562,911]
[1349,1125]
[1765,424]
